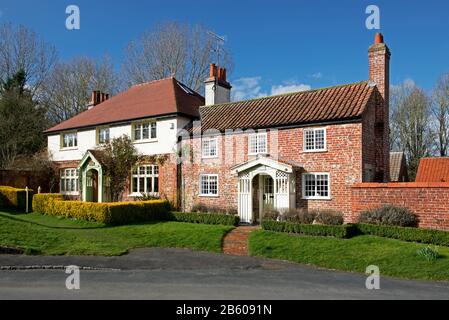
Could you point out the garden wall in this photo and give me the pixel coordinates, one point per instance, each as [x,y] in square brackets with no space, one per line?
[430,201]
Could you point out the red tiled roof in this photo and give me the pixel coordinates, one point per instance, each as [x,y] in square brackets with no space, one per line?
[321,105]
[160,97]
[433,170]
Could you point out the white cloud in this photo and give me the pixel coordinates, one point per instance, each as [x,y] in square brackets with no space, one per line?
[316,76]
[281,89]
[247,88]
[251,87]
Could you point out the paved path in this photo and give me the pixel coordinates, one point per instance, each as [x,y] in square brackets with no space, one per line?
[184,274]
[236,242]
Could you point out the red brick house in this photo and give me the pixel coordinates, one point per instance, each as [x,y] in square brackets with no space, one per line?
[297,150]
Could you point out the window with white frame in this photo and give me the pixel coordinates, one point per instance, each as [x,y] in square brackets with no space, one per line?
[315,186]
[69,140]
[209,147]
[315,139]
[103,135]
[145,131]
[145,180]
[69,181]
[209,185]
[257,143]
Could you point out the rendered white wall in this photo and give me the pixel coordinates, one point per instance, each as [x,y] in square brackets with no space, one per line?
[217,96]
[165,142]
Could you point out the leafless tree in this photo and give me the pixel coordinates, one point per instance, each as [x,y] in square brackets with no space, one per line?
[67,90]
[23,49]
[441,113]
[411,120]
[173,49]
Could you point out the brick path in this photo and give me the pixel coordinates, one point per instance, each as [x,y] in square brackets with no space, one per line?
[236,242]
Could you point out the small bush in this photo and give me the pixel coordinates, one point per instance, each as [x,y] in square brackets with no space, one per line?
[13,198]
[271,214]
[328,217]
[202,208]
[205,218]
[389,215]
[338,231]
[147,197]
[301,216]
[428,253]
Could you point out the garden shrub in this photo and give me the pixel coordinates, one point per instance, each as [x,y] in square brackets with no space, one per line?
[206,218]
[338,231]
[389,215]
[13,198]
[428,253]
[301,216]
[328,217]
[117,213]
[271,214]
[435,237]
[202,208]
[42,202]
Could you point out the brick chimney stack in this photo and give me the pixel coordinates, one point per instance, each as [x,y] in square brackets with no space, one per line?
[97,97]
[379,75]
[217,88]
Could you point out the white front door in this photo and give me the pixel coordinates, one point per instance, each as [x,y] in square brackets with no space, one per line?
[245,203]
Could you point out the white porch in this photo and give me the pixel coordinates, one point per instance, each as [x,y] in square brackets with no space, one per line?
[264,184]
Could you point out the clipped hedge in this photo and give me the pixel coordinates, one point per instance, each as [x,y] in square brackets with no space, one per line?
[12,198]
[435,237]
[205,218]
[108,213]
[42,202]
[338,231]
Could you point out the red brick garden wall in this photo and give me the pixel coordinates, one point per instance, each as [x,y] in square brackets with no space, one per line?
[430,201]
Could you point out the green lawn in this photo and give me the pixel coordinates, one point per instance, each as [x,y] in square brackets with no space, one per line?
[60,236]
[393,257]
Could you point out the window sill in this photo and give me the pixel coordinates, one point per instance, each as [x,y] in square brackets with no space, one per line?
[145,141]
[138,194]
[209,157]
[317,198]
[68,149]
[208,195]
[258,154]
[74,193]
[315,151]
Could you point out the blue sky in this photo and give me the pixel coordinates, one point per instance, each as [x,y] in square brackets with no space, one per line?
[275,44]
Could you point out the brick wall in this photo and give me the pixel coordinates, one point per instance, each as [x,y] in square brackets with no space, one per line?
[430,201]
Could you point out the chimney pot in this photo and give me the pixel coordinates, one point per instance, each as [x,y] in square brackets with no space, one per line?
[213,70]
[379,38]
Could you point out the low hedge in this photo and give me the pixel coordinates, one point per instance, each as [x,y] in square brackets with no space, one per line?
[435,237]
[338,231]
[108,213]
[12,198]
[206,218]
[42,202]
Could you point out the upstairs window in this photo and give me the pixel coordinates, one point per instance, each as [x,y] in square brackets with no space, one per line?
[315,140]
[209,147]
[145,131]
[103,135]
[257,143]
[70,140]
[145,180]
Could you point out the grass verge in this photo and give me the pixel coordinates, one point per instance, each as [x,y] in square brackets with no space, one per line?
[48,235]
[393,257]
